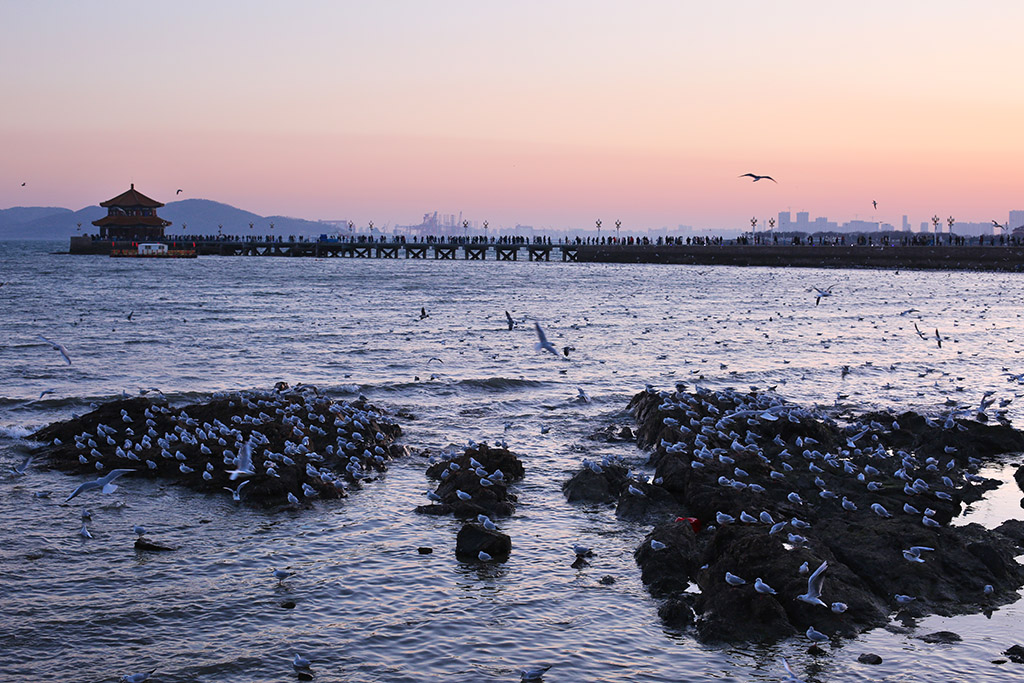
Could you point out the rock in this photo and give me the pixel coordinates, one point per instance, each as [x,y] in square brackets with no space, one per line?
[1019,477]
[297,423]
[288,604]
[607,580]
[474,538]
[1014,529]
[676,613]
[591,487]
[1015,653]
[869,658]
[493,500]
[733,453]
[422,550]
[943,637]
[143,544]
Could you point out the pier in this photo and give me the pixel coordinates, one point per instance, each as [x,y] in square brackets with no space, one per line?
[1007,258]
[438,251]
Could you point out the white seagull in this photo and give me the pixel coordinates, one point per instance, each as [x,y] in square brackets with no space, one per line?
[543,344]
[105,483]
[814,585]
[58,348]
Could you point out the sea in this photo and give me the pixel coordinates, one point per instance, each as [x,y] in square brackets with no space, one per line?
[367,605]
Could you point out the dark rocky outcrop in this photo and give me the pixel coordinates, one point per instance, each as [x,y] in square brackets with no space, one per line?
[744,464]
[303,444]
[465,473]
[473,539]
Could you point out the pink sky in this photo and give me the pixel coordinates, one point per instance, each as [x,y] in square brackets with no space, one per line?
[551,114]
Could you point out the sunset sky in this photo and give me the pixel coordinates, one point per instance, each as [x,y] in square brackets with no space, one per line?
[551,114]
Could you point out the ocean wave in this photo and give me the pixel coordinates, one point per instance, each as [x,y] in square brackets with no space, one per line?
[15,431]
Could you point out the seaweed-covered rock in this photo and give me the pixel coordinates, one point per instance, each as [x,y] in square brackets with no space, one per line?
[780,489]
[302,445]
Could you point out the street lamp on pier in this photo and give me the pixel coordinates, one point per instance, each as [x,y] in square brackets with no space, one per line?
[598,222]
[753,227]
[618,224]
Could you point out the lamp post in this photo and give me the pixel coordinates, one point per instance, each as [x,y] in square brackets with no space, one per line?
[618,224]
[935,223]
[465,228]
[485,231]
[753,227]
[598,222]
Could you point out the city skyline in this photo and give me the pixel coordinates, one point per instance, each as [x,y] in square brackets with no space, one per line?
[550,114]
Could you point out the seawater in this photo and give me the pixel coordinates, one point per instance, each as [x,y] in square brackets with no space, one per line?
[368,606]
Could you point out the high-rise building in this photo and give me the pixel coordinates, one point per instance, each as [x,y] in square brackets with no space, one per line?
[785,220]
[1016,220]
[906,223]
[803,218]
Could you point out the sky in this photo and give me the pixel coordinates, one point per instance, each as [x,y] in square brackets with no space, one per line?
[550,113]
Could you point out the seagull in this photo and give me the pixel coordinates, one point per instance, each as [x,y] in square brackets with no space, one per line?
[790,676]
[543,344]
[236,493]
[105,483]
[920,334]
[243,463]
[822,293]
[994,223]
[816,636]
[657,545]
[534,674]
[281,574]
[733,580]
[23,467]
[57,347]
[300,662]
[44,392]
[880,511]
[511,322]
[423,313]
[758,177]
[483,557]
[938,339]
[84,532]
[874,203]
[762,587]
[139,530]
[178,192]
[138,678]
[814,585]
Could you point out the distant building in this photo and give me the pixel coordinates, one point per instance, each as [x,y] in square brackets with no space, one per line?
[131,216]
[1016,220]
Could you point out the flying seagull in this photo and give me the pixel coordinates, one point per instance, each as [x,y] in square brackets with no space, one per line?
[938,339]
[814,585]
[23,184]
[758,177]
[822,293]
[511,322]
[423,313]
[543,344]
[57,347]
[178,192]
[996,224]
[874,203]
[104,483]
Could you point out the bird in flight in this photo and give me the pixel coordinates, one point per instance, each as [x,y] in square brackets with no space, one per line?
[105,484]
[511,322]
[822,293]
[178,192]
[938,338]
[758,177]
[874,203]
[23,184]
[423,313]
[58,348]
[996,224]
[543,344]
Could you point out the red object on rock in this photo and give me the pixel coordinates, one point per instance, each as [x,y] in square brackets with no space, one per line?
[694,523]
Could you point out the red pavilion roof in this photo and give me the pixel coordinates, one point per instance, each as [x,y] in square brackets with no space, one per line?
[132,199]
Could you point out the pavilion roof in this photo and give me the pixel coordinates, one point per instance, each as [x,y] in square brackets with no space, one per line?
[132,199]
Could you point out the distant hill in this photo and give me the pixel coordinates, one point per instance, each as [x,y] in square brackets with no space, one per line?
[199,216]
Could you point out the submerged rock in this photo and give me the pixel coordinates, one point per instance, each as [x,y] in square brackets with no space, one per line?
[779,490]
[474,538]
[302,444]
